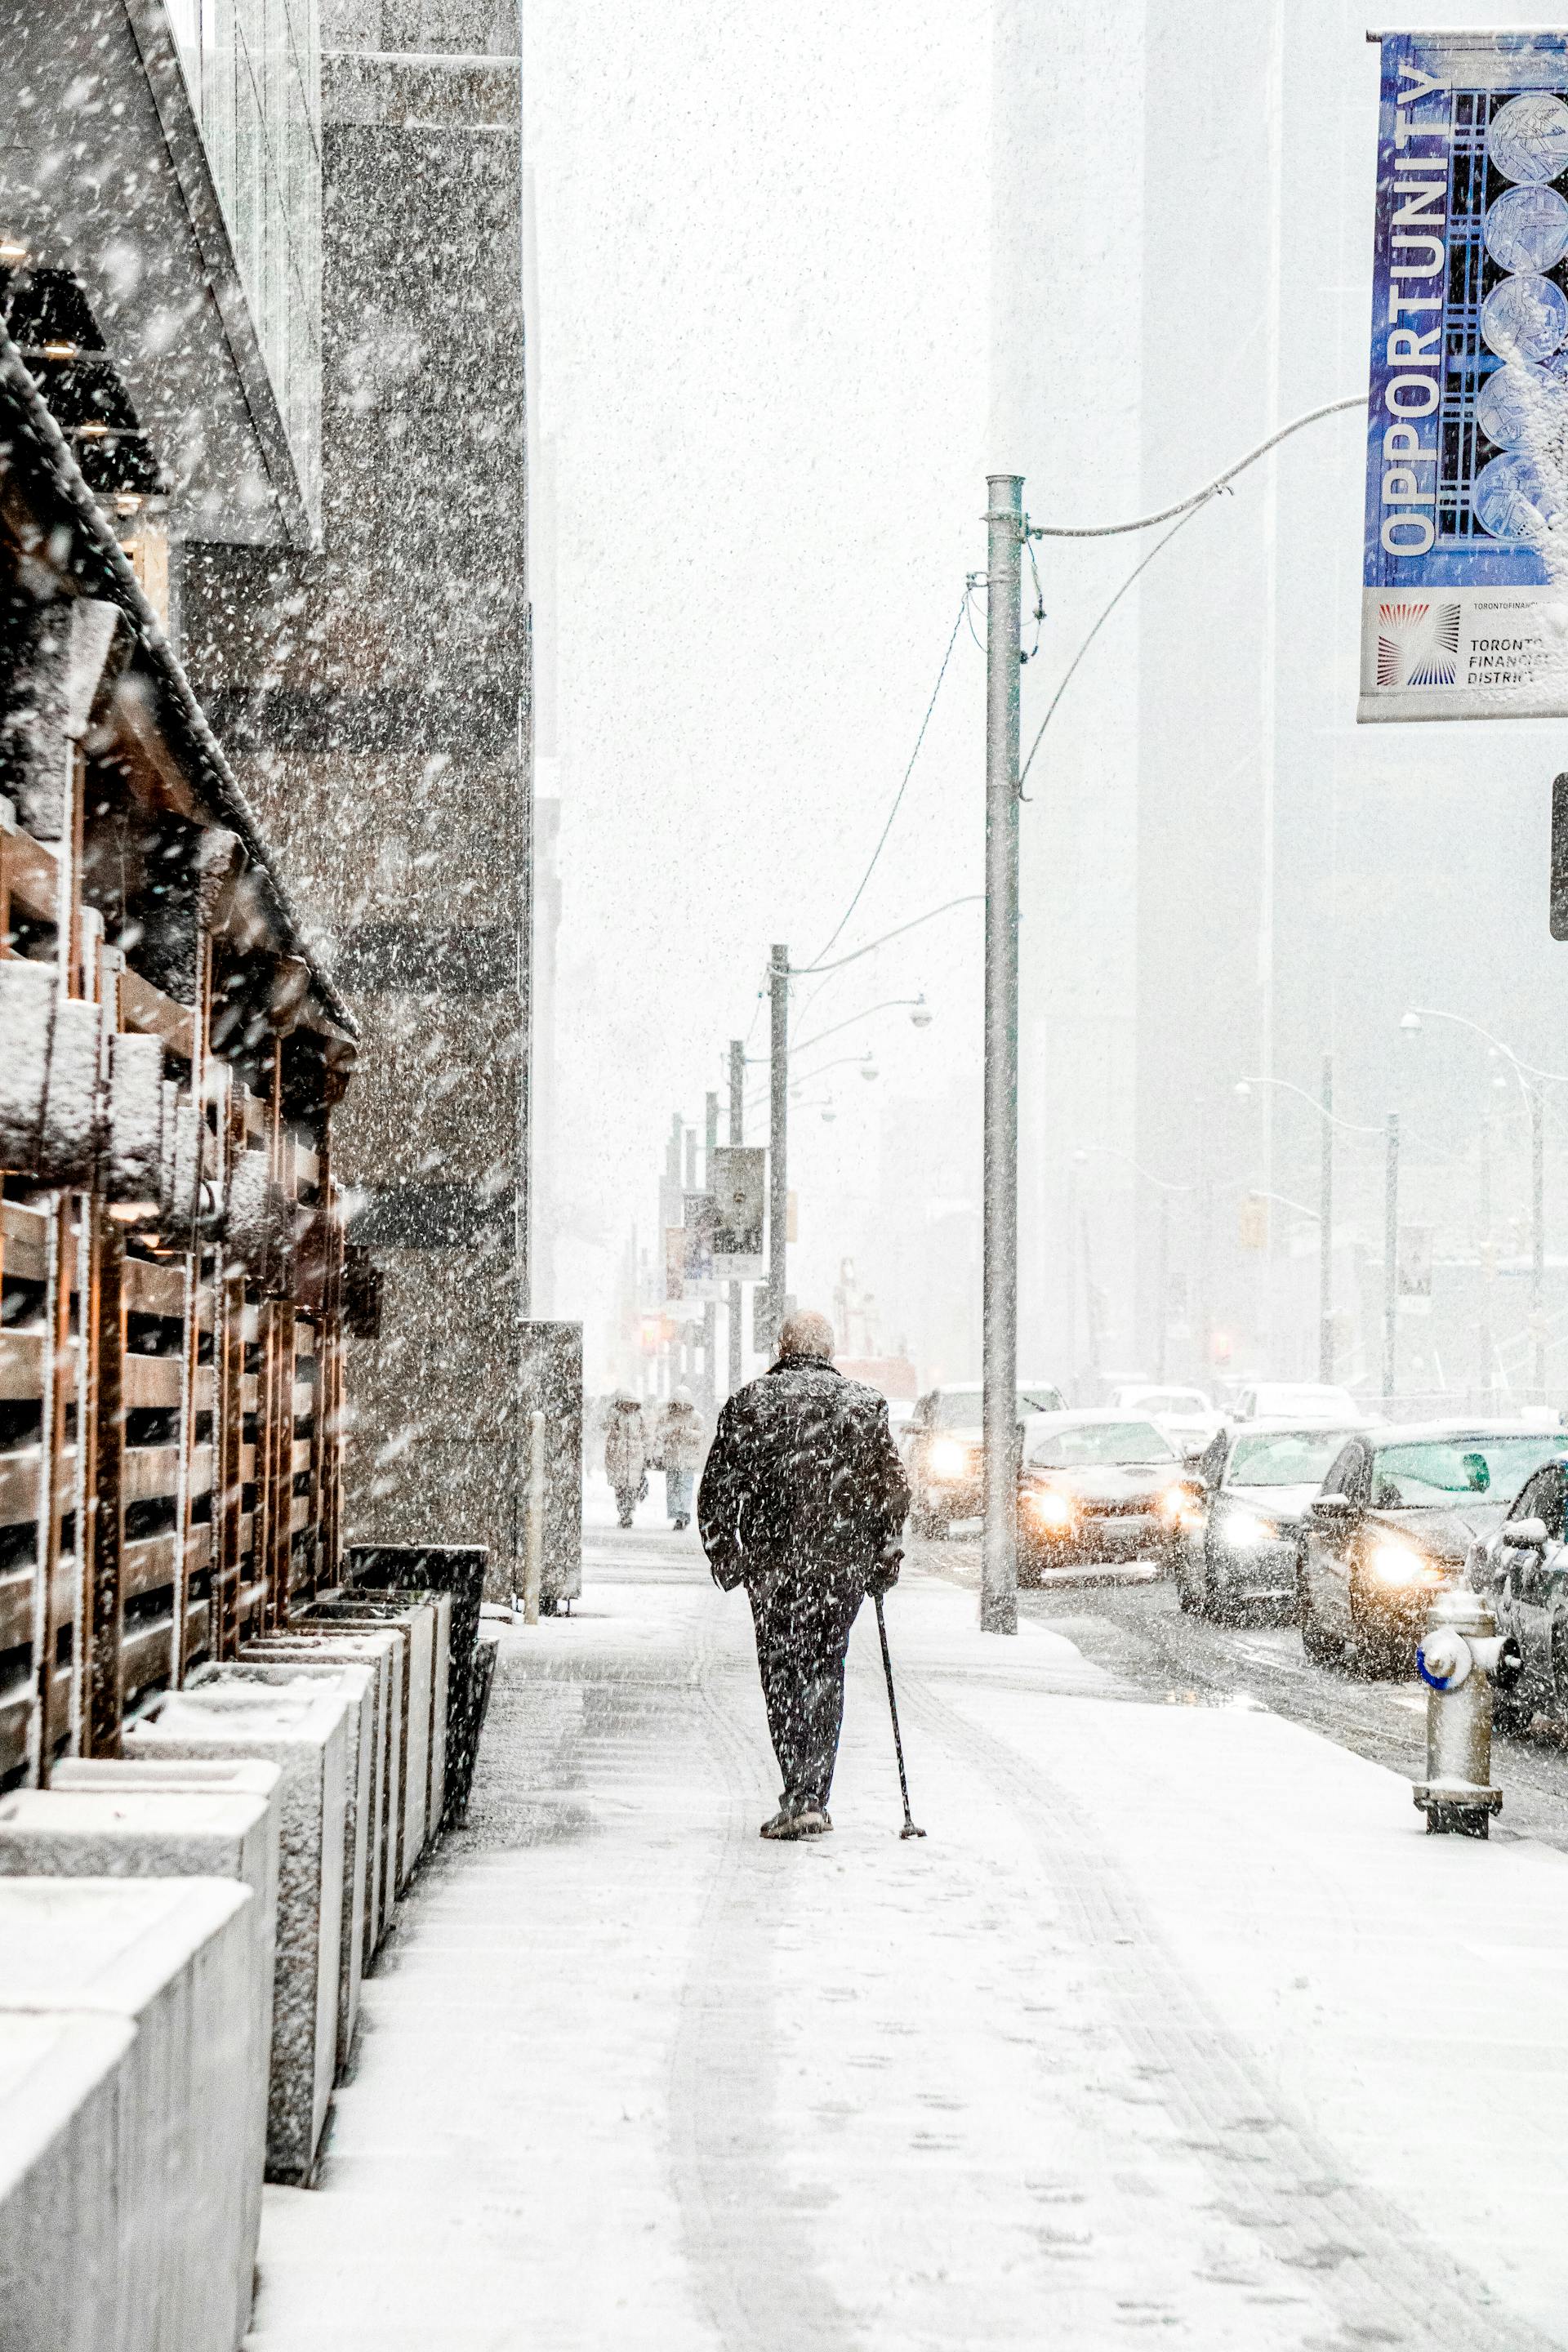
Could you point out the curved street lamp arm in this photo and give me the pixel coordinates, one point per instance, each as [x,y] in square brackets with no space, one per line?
[889,1004]
[1463,1021]
[1111,1151]
[1146,522]
[804,971]
[1351,1126]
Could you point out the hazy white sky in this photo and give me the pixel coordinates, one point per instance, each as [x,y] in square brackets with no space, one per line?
[763,278]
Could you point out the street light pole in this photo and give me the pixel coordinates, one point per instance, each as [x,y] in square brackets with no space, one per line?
[1326,1232]
[737,1136]
[999,1556]
[1488,1256]
[710,1305]
[1391,1254]
[1164,1286]
[1538,1240]
[778,1139]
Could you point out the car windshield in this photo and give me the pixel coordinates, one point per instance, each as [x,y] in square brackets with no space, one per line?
[1444,1470]
[1286,1457]
[1101,1445]
[959,1408]
[1168,1400]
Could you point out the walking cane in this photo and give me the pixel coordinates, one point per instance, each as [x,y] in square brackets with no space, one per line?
[909,1829]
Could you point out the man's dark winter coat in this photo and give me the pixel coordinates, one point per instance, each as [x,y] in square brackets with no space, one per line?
[802,1474]
[801,1501]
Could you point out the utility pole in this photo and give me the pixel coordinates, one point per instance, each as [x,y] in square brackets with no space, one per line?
[710,1305]
[1488,1256]
[737,1136]
[1164,1286]
[1326,1231]
[1538,1241]
[670,1195]
[1072,1278]
[1003,566]
[1391,1254]
[778,1138]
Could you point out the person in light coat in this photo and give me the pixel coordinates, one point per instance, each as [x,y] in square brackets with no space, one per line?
[626,1453]
[682,1444]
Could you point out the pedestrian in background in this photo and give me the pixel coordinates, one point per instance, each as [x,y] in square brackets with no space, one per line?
[626,1453]
[802,1502]
[682,1440]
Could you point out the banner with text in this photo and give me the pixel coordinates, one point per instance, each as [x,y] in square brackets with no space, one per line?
[739,1181]
[1464,599]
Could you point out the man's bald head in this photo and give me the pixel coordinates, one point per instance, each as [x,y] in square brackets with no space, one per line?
[807,1333]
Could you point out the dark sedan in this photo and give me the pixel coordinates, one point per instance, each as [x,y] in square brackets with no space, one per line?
[1522,1567]
[1240,1538]
[1096,1486]
[1399,1512]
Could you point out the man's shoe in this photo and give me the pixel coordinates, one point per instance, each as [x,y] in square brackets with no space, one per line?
[787,1823]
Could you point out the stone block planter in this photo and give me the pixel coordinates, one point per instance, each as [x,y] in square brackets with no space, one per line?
[357,1684]
[174,1960]
[303,1728]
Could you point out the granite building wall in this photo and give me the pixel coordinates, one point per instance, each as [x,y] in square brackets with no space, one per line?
[374,693]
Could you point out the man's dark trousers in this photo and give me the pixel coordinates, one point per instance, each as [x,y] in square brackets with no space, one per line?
[803,1619]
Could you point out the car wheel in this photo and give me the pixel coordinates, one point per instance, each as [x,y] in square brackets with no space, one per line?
[1319,1645]
[1186,1599]
[1211,1598]
[1028,1568]
[1377,1652]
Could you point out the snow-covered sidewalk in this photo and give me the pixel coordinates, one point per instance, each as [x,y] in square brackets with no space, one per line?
[1175,2022]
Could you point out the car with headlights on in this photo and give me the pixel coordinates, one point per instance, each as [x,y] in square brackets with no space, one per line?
[1096,1486]
[942,1451]
[1237,1540]
[1522,1567]
[1398,1516]
[1187,1416]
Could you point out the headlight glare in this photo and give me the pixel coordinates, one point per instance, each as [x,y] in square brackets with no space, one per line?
[948,1458]
[1052,1508]
[1397,1563]
[1249,1529]
[1173,1504]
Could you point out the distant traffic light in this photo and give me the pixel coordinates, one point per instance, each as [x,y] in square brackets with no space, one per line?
[1559,857]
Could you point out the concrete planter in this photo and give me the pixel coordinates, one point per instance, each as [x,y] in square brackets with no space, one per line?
[174,1960]
[357,1684]
[137,1832]
[304,1729]
[63,2088]
[381,1652]
[416,1621]
[455,1569]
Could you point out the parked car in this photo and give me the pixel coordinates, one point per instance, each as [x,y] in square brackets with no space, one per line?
[1522,1567]
[942,1451]
[1298,1401]
[1096,1486]
[1399,1512]
[1240,1538]
[1188,1417]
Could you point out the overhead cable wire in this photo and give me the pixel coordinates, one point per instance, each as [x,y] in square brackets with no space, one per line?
[1065,679]
[1146,522]
[898,797]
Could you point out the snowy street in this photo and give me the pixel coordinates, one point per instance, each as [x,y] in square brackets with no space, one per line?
[1165,2026]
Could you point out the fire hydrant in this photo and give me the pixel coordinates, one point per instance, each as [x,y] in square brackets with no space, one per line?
[1461,1657]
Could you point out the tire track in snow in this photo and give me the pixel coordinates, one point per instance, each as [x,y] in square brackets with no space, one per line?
[746,2226]
[1368,2263]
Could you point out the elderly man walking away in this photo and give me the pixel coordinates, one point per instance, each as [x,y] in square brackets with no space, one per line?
[803,1501]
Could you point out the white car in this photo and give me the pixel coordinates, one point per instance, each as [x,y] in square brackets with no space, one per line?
[1186,1416]
[1300,1401]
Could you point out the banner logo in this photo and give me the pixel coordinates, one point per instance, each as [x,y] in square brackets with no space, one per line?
[1417,644]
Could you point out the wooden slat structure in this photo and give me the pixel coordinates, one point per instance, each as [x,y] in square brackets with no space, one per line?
[171,1382]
